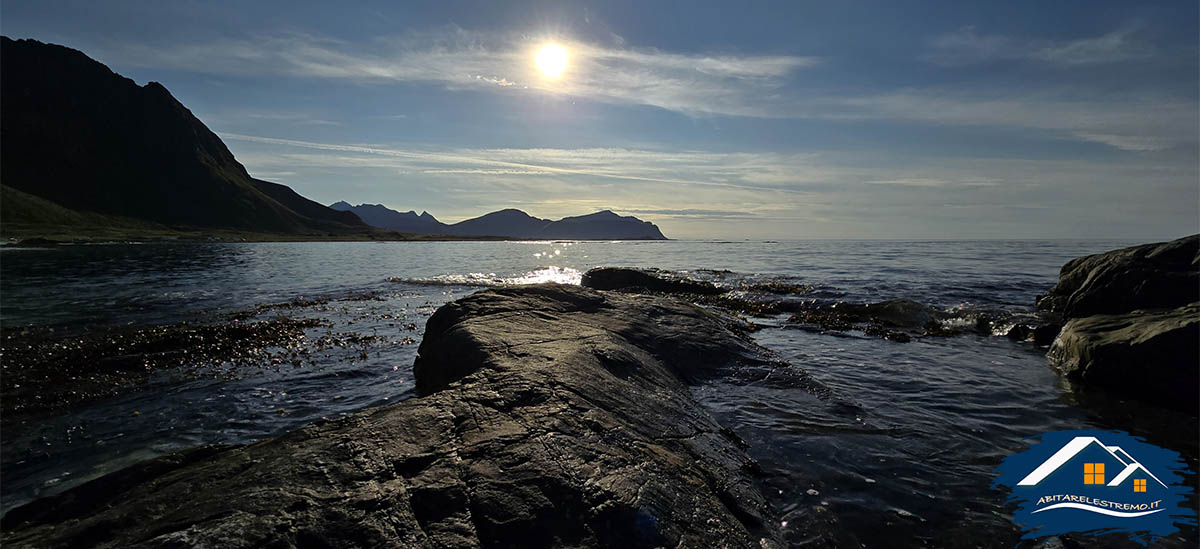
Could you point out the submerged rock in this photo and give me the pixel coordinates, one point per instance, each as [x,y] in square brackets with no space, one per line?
[1146,355]
[551,416]
[889,319]
[650,280]
[1150,276]
[899,313]
[45,370]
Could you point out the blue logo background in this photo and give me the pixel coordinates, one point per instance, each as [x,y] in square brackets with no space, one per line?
[1088,504]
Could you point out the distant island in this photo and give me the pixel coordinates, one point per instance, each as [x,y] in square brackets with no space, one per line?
[87,154]
[510,223]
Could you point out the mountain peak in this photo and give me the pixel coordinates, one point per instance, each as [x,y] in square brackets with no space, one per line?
[383,217]
[85,138]
[514,223]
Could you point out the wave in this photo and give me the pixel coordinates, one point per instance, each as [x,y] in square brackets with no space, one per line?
[1100,510]
[561,275]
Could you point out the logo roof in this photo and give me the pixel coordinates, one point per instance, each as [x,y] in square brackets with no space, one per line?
[1073,448]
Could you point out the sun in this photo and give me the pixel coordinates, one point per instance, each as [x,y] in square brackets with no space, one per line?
[552,60]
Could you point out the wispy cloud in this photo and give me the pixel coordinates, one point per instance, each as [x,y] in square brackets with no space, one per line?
[717,84]
[722,84]
[744,171]
[1132,124]
[967,46]
[826,194]
[692,213]
[1109,48]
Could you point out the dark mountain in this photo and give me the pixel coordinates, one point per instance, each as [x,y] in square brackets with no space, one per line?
[511,223]
[83,137]
[603,225]
[284,194]
[378,215]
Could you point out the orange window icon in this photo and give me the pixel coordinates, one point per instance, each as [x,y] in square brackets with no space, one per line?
[1139,485]
[1093,473]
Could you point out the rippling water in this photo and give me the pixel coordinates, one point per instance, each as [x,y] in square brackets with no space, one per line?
[904,449]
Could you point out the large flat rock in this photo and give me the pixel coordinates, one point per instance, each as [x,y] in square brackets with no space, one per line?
[550,416]
[1152,355]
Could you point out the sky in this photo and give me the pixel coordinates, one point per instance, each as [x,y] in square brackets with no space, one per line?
[852,119]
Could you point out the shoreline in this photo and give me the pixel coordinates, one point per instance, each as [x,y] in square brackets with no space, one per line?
[850,325]
[45,239]
[573,425]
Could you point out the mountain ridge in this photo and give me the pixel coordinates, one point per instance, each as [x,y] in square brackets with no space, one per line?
[510,223]
[79,135]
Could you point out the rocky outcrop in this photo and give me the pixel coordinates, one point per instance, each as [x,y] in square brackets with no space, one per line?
[1148,355]
[1131,321]
[106,150]
[645,280]
[1150,276]
[550,416]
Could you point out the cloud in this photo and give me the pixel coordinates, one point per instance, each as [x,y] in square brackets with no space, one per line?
[477,171]
[852,193]
[1111,48]
[711,84]
[722,84]
[966,46]
[604,163]
[706,214]
[1141,143]
[1135,124]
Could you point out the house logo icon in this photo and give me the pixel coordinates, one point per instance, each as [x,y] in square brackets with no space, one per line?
[1096,482]
[1131,472]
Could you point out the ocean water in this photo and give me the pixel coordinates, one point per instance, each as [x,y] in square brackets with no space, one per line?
[904,448]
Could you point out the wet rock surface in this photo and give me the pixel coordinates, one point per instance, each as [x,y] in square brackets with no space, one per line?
[1132,322]
[645,280]
[1150,276]
[1147,355]
[551,416]
[897,319]
[47,369]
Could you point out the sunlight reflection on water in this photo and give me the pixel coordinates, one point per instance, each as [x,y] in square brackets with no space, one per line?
[553,273]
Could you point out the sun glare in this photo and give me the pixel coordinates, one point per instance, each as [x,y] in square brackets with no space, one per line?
[552,60]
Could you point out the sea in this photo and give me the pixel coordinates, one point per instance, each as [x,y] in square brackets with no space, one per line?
[912,464]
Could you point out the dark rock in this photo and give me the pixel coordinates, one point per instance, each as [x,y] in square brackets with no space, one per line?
[45,370]
[1130,321]
[902,313]
[551,416]
[1150,276]
[38,243]
[1046,333]
[1019,332]
[896,313]
[886,319]
[875,329]
[1146,355]
[650,280]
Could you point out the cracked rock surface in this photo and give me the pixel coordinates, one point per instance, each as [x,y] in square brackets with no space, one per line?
[550,416]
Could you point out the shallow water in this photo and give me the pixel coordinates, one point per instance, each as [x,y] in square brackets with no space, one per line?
[904,448]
